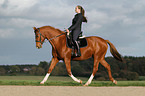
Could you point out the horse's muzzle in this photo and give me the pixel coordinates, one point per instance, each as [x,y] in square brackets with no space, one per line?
[38,46]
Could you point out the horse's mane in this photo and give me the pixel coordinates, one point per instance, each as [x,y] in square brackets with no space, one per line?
[50,27]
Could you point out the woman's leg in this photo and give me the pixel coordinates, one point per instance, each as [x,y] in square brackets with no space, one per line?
[76,45]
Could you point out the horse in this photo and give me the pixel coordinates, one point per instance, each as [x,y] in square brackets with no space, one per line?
[96,48]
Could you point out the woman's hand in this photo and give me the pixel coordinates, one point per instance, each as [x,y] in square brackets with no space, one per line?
[67,31]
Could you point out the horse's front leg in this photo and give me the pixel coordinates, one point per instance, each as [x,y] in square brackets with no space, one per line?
[53,64]
[68,67]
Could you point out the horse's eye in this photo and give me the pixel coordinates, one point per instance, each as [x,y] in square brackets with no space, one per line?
[37,36]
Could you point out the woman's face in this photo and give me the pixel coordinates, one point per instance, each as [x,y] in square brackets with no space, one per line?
[77,10]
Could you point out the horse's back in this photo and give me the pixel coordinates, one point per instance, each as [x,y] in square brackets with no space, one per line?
[96,39]
[97,43]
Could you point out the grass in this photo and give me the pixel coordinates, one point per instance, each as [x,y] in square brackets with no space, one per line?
[60,81]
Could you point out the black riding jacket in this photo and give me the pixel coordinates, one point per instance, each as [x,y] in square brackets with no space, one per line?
[76,23]
[75,28]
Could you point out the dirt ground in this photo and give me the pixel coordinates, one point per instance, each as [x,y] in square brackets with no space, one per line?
[70,91]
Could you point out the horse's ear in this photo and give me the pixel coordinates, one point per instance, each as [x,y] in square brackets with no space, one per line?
[34,28]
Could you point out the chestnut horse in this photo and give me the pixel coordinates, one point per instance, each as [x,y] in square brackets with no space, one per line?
[96,48]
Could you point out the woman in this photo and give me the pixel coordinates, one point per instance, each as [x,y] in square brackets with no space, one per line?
[75,28]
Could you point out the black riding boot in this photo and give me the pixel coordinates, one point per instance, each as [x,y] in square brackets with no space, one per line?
[78,53]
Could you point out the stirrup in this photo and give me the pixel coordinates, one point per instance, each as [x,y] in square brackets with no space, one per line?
[75,55]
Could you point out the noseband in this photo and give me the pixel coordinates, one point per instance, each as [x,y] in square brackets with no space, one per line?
[47,38]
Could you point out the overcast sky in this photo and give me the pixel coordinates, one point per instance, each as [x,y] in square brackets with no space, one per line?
[120,21]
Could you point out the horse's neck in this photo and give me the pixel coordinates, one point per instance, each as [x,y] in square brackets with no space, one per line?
[53,33]
[52,37]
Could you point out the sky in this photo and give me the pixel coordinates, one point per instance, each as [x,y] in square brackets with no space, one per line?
[120,21]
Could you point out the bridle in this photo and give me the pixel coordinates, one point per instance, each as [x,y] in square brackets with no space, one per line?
[40,36]
[47,38]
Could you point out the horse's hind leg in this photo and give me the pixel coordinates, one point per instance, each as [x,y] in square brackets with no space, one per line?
[68,67]
[107,66]
[53,64]
[95,69]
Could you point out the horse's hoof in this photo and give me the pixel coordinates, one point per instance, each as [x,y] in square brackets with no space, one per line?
[115,82]
[85,85]
[41,83]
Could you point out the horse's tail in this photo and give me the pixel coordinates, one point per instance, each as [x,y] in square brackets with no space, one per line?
[114,51]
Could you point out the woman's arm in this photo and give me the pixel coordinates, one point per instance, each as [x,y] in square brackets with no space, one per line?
[79,20]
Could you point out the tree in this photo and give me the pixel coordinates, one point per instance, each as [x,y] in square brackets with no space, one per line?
[2,71]
[60,70]
[33,70]
[132,76]
[40,71]
[37,71]
[14,69]
[77,69]
[44,65]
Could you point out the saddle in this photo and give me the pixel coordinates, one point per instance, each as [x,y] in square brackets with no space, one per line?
[81,41]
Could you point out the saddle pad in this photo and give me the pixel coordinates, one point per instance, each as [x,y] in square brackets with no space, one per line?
[82,42]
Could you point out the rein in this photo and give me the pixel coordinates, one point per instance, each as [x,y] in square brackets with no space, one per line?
[47,38]
[56,36]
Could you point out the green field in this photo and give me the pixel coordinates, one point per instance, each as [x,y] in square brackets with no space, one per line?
[60,81]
